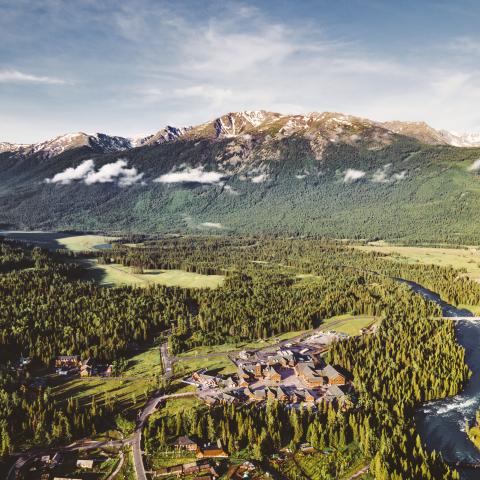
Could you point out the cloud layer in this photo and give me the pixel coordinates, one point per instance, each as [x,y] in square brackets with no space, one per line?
[383,175]
[116,172]
[14,76]
[191,175]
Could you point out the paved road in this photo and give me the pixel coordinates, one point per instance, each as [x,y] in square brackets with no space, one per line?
[167,360]
[119,467]
[149,408]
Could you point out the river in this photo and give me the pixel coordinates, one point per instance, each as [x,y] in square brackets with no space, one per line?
[441,423]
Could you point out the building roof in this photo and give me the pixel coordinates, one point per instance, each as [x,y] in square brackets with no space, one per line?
[335,391]
[184,441]
[331,372]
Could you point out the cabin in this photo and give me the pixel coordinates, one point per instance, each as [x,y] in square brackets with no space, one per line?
[209,400]
[67,361]
[308,396]
[230,383]
[185,443]
[274,374]
[85,464]
[281,394]
[260,394]
[212,451]
[204,379]
[306,448]
[86,368]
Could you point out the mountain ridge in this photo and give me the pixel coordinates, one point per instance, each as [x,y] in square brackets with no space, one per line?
[246,122]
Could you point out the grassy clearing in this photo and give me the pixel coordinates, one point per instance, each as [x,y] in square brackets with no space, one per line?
[115,275]
[80,243]
[348,324]
[459,258]
[54,240]
[234,347]
[220,364]
[130,389]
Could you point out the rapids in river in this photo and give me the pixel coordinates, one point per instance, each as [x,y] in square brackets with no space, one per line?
[441,423]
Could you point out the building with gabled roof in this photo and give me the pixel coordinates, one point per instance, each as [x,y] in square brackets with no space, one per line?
[333,375]
[185,443]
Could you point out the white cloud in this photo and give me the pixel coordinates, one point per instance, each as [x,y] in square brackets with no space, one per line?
[15,76]
[351,175]
[259,178]
[399,176]
[191,175]
[70,174]
[116,171]
[108,173]
[475,166]
[217,226]
[381,175]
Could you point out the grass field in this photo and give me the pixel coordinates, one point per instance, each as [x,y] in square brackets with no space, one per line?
[459,258]
[220,364]
[232,347]
[348,324]
[130,389]
[54,240]
[80,243]
[115,275]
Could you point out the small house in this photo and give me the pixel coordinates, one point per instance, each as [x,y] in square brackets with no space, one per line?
[67,361]
[274,374]
[85,464]
[185,443]
[213,451]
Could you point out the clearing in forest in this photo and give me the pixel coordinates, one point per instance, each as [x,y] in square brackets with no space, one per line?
[467,258]
[116,275]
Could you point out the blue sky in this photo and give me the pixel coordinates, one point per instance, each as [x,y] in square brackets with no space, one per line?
[131,67]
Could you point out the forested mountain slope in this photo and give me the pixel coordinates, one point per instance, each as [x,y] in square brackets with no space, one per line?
[326,174]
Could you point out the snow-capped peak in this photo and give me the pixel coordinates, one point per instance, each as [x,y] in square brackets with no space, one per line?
[458,139]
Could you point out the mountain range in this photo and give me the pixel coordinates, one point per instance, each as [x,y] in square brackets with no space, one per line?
[252,172]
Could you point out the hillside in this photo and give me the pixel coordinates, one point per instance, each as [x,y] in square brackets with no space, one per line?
[253,172]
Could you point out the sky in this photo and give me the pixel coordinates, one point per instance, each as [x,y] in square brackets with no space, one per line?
[131,67]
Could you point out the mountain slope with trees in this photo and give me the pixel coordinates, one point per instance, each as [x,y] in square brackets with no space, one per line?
[336,176]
